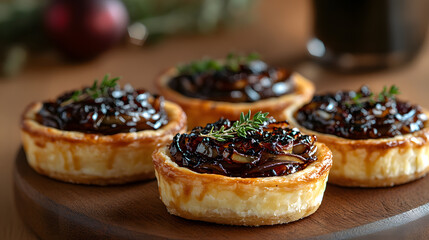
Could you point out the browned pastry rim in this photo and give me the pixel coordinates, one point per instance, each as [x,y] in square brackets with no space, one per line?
[78,157]
[241,201]
[200,111]
[374,162]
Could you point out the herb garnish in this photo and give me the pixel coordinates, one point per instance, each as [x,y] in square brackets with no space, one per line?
[383,96]
[393,91]
[95,91]
[240,127]
[232,62]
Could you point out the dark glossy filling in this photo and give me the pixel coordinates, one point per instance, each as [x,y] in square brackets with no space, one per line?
[252,82]
[274,150]
[339,115]
[120,111]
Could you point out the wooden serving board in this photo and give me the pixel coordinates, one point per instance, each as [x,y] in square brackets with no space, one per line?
[57,210]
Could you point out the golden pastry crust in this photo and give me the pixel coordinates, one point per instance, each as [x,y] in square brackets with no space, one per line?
[374,162]
[92,158]
[241,201]
[200,112]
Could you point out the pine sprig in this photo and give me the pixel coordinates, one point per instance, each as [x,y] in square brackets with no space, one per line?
[95,91]
[239,128]
[232,62]
[383,96]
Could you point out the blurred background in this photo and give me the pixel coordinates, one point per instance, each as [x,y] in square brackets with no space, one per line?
[81,30]
[347,36]
[50,46]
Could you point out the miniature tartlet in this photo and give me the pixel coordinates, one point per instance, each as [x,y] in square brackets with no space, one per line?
[376,140]
[99,135]
[267,176]
[209,89]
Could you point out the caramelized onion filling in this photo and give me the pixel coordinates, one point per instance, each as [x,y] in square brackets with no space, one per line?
[121,110]
[273,150]
[341,115]
[251,82]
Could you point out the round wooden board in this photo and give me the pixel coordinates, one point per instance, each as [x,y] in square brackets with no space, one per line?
[57,210]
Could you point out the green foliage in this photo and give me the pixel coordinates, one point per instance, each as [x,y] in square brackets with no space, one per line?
[76,95]
[231,62]
[239,128]
[163,18]
[383,96]
[95,91]
[22,32]
[391,93]
[200,66]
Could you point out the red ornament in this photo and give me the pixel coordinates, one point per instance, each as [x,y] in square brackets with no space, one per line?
[83,29]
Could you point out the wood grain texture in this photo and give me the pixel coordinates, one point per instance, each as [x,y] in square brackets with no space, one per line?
[56,210]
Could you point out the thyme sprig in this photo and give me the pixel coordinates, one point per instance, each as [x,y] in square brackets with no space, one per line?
[240,127]
[393,91]
[372,98]
[232,62]
[95,91]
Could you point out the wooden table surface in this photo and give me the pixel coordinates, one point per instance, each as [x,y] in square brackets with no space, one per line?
[278,32]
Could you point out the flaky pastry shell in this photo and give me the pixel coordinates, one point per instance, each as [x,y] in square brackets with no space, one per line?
[200,111]
[241,201]
[374,162]
[92,158]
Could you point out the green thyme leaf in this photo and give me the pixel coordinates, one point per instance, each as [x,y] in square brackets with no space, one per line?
[95,91]
[394,90]
[384,95]
[76,94]
[239,128]
[232,62]
[253,56]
